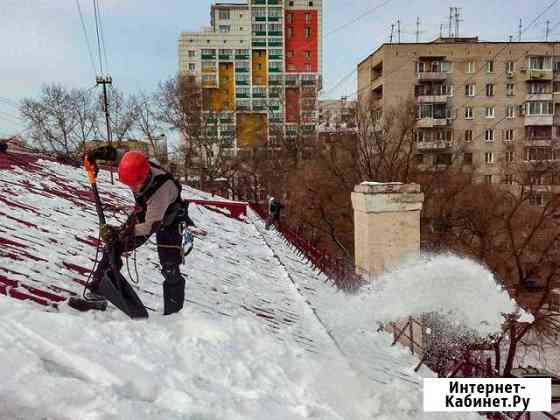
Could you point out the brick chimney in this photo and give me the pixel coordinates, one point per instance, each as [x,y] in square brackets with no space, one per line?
[386,224]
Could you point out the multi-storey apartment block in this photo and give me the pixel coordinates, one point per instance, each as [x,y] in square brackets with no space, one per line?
[259,65]
[480,105]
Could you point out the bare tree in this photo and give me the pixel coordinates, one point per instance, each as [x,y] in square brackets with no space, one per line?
[53,120]
[123,113]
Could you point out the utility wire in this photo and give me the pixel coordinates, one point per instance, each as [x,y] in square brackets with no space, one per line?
[86,37]
[98,36]
[357,18]
[103,44]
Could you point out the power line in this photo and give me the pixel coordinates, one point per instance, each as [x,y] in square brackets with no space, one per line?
[86,36]
[104,45]
[357,18]
[98,36]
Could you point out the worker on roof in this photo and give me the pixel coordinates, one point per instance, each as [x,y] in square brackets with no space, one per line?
[159,210]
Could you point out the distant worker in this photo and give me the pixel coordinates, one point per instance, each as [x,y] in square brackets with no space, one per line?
[274,207]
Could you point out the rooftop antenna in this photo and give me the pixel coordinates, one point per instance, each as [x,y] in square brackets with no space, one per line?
[450,22]
[399,30]
[547,31]
[392,30]
[511,38]
[441,30]
[417,29]
[458,20]
[520,32]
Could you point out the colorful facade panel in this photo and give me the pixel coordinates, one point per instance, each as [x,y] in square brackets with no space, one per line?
[302,45]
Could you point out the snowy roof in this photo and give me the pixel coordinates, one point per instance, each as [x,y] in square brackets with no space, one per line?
[262,335]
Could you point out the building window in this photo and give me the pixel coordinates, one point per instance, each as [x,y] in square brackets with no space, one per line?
[291,67]
[488,179]
[470,67]
[223,14]
[540,63]
[510,111]
[468,113]
[192,67]
[290,32]
[224,28]
[490,66]
[508,134]
[192,53]
[307,55]
[308,68]
[259,12]
[489,135]
[509,89]
[307,32]
[467,158]
[508,179]
[470,89]
[259,66]
[290,53]
[468,136]
[489,89]
[509,156]
[308,18]
[290,18]
[539,108]
[509,67]
[490,112]
[489,158]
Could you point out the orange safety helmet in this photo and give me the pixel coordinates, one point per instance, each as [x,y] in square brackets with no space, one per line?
[134,169]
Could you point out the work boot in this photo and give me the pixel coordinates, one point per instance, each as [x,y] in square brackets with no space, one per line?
[92,291]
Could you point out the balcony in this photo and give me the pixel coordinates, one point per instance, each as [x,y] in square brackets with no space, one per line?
[431,122]
[208,69]
[208,56]
[308,82]
[258,2]
[275,56]
[260,18]
[273,2]
[541,142]
[433,99]
[242,82]
[539,120]
[539,96]
[224,57]
[275,82]
[540,74]
[292,82]
[259,43]
[431,75]
[259,94]
[241,56]
[275,33]
[242,95]
[274,18]
[259,33]
[242,69]
[209,83]
[434,145]
[275,42]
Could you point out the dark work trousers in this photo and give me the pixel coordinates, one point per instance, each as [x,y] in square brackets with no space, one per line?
[169,252]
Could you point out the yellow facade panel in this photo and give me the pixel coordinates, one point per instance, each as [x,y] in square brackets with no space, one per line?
[251,130]
[260,70]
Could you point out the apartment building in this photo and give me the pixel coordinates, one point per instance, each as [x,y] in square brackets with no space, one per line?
[259,64]
[484,106]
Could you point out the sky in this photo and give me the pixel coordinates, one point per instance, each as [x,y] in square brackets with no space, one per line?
[42,41]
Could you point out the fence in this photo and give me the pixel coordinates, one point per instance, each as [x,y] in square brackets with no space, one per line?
[341,271]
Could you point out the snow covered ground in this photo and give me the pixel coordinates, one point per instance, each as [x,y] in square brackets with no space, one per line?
[262,336]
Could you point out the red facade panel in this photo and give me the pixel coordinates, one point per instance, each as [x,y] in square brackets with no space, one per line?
[302,41]
[292,105]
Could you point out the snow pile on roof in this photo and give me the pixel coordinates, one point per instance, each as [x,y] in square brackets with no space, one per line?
[261,335]
[446,284]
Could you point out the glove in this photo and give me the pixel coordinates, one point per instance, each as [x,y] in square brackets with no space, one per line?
[108,153]
[109,233]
